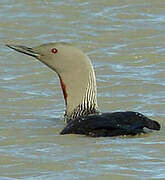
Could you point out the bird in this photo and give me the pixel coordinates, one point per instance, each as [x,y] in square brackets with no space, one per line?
[78,83]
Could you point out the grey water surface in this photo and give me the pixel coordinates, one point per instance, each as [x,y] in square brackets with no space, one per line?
[126,43]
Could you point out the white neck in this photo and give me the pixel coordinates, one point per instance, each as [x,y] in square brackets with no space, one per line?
[80,93]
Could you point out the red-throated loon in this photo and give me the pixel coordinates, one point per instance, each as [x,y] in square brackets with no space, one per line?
[78,83]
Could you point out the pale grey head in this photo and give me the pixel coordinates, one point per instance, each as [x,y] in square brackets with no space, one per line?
[76,75]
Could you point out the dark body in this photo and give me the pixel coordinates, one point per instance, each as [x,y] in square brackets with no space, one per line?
[110,124]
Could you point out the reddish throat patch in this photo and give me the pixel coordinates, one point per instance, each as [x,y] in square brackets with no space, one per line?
[63,89]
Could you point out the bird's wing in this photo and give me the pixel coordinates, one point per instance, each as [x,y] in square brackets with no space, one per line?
[111,124]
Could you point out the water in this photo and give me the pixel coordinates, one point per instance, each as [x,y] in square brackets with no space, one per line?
[125,40]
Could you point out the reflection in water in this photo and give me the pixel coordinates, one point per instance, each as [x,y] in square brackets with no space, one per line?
[125,42]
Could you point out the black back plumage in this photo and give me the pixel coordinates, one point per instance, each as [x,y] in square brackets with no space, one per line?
[111,124]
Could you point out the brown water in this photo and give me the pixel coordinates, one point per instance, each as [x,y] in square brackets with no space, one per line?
[126,42]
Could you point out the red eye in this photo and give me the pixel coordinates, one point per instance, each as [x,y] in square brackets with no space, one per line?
[54,50]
